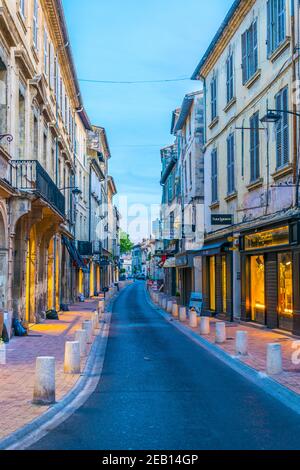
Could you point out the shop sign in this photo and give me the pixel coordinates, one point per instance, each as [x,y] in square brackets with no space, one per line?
[182,261]
[267,239]
[222,219]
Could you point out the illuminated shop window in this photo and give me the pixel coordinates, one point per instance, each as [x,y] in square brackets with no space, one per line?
[258,307]
[285,288]
[269,238]
[212,283]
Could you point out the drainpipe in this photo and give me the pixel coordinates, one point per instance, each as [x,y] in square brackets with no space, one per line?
[295,118]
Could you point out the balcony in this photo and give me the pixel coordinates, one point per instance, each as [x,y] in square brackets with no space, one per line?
[29,175]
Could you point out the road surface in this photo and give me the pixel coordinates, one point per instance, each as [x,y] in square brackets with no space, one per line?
[161,391]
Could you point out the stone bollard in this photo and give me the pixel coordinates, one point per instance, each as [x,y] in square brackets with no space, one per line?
[161,299]
[101,306]
[274,359]
[241,345]
[175,311]
[220,332]
[170,306]
[44,383]
[165,303]
[88,327]
[95,320]
[205,326]
[72,357]
[193,319]
[2,354]
[81,337]
[182,314]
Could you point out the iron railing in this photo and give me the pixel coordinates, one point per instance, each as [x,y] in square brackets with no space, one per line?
[29,175]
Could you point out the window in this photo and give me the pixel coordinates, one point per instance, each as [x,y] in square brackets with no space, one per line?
[282,129]
[185,177]
[230,164]
[257,286]
[213,97]
[285,289]
[35,136]
[46,54]
[276,24]
[21,122]
[3,98]
[35,24]
[249,52]
[191,169]
[254,148]
[214,176]
[22,7]
[212,283]
[230,77]
[51,67]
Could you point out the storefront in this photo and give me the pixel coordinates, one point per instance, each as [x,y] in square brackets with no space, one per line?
[170,277]
[270,276]
[184,265]
[217,279]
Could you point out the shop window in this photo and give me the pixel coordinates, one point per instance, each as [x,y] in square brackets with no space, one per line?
[224,284]
[212,283]
[285,290]
[258,308]
[269,238]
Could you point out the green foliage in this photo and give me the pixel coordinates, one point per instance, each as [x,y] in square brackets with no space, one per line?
[126,244]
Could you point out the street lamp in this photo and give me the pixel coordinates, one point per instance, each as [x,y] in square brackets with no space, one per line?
[274,115]
[75,191]
[8,137]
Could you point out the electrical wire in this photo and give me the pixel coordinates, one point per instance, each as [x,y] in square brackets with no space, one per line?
[133,82]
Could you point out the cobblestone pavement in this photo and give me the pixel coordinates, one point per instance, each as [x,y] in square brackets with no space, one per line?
[259,338]
[17,376]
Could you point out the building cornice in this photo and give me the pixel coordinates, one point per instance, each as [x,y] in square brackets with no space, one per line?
[223,38]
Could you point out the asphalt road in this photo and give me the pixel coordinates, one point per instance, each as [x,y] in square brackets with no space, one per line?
[161,391]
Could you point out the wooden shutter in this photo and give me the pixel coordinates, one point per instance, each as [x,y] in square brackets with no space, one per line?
[279,133]
[285,127]
[255,47]
[244,57]
[252,149]
[281,21]
[269,27]
[230,163]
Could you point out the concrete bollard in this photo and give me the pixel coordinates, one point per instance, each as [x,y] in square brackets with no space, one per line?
[220,332]
[95,320]
[182,314]
[44,382]
[170,306]
[81,337]
[101,306]
[205,326]
[88,327]
[72,357]
[241,345]
[2,354]
[175,311]
[193,319]
[165,303]
[274,359]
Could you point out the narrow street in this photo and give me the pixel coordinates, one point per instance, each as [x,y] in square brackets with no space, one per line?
[159,390]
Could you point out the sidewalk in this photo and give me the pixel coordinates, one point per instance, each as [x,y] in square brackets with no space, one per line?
[17,376]
[258,340]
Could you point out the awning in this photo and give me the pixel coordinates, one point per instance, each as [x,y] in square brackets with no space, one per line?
[170,263]
[210,250]
[74,254]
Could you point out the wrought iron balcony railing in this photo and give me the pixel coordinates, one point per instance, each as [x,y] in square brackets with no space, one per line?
[29,175]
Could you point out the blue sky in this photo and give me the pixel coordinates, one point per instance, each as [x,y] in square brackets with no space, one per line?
[139,40]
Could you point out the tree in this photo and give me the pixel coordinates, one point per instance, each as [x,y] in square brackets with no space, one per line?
[126,244]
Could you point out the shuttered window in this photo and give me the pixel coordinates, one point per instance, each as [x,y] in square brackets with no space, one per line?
[254,148]
[230,77]
[282,129]
[249,52]
[214,176]
[46,54]
[52,67]
[276,24]
[35,24]
[230,164]
[213,97]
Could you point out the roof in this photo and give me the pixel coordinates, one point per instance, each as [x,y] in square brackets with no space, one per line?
[217,37]
[185,110]
[112,184]
[175,115]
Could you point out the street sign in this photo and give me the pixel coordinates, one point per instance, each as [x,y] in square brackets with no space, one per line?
[221,219]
